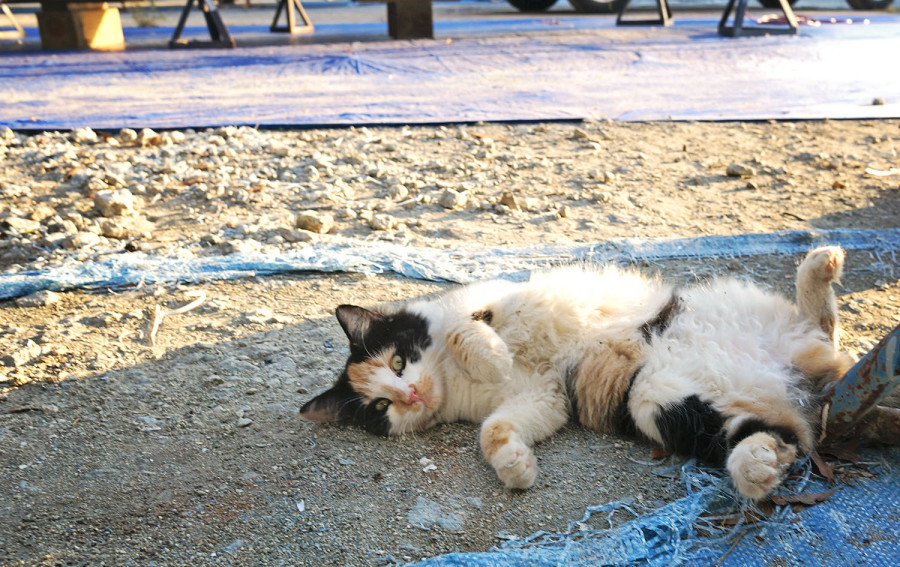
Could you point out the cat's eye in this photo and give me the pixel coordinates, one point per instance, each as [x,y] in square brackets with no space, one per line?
[397,363]
[382,404]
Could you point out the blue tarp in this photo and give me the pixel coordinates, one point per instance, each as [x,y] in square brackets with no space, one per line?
[858,525]
[542,69]
[461,265]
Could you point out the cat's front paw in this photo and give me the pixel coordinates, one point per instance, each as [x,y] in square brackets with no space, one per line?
[757,464]
[482,353]
[508,454]
[515,465]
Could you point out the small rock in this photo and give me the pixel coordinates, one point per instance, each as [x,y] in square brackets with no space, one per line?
[84,136]
[739,170]
[38,299]
[565,212]
[509,199]
[878,101]
[114,180]
[148,137]
[127,136]
[314,221]
[382,221]
[114,203]
[22,355]
[398,191]
[21,225]
[80,240]
[452,199]
[244,422]
[41,212]
[124,227]
[298,235]
[579,134]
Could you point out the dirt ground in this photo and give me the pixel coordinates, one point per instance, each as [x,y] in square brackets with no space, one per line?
[189,450]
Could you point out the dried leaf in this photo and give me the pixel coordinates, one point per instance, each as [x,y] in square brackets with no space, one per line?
[659,453]
[808,499]
[824,468]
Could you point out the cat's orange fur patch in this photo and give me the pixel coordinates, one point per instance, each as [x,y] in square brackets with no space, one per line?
[602,380]
[494,436]
[820,363]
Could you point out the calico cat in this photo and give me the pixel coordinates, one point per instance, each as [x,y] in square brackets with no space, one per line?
[724,372]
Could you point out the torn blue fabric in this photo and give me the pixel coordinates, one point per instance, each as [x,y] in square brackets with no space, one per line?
[858,525]
[462,265]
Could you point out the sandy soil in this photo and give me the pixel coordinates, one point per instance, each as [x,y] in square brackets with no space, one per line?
[116,451]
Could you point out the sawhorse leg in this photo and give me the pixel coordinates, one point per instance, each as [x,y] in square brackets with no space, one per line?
[218,33]
[738,29]
[662,8]
[291,8]
[18,32]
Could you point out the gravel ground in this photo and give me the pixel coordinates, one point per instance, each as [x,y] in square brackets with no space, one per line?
[115,449]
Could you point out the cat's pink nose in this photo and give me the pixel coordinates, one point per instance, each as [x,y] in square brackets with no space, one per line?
[413,396]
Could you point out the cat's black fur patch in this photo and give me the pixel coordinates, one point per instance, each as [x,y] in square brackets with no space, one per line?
[751,426]
[623,422]
[694,428]
[487,316]
[405,332]
[661,322]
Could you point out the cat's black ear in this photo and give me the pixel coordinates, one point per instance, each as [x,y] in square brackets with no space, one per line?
[326,407]
[356,322]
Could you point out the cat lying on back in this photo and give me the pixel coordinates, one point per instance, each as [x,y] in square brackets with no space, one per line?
[724,372]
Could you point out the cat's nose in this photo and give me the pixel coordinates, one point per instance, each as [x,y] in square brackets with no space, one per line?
[413,396]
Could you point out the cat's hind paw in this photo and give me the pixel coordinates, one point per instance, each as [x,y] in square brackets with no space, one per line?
[757,464]
[822,266]
[515,465]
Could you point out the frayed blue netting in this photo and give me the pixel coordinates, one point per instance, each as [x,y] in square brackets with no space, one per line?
[857,525]
[461,265]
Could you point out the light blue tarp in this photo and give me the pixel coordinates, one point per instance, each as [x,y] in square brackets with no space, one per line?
[460,265]
[858,525]
[550,68]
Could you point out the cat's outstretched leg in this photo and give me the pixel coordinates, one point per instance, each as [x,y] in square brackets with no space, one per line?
[815,296]
[757,464]
[508,434]
[475,345]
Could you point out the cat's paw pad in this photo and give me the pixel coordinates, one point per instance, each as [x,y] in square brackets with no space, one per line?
[824,264]
[515,465]
[757,464]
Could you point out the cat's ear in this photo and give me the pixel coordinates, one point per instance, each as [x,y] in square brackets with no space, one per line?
[356,322]
[326,407]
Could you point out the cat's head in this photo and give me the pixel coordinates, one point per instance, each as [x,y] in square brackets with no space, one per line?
[386,386]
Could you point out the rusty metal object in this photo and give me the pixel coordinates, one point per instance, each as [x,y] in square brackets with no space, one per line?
[850,404]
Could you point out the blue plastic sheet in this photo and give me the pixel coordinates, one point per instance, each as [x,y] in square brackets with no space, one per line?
[858,525]
[461,265]
[551,68]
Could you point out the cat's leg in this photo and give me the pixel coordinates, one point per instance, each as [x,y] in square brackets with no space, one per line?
[815,295]
[754,442]
[478,349]
[509,432]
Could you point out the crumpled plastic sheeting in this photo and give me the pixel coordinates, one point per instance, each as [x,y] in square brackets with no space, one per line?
[462,265]
[858,525]
[682,72]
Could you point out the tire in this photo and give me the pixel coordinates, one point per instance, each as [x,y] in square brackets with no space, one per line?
[532,5]
[775,4]
[869,4]
[598,6]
